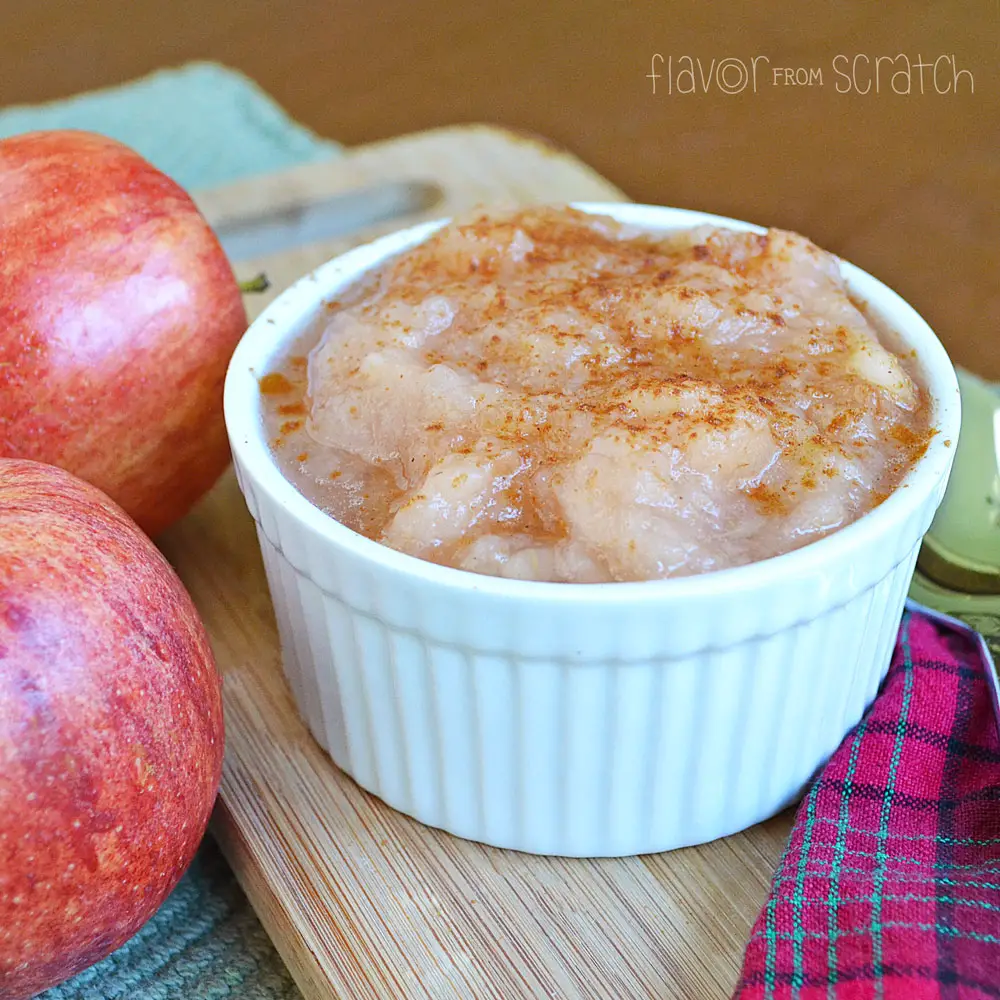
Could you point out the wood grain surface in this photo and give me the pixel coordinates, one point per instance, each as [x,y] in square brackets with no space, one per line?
[361,901]
[905,185]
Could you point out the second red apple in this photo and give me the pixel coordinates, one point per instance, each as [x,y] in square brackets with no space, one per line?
[118,315]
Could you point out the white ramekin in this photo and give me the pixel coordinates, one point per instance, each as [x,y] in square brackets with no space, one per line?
[575,719]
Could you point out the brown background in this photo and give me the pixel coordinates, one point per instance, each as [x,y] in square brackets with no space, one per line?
[906,186]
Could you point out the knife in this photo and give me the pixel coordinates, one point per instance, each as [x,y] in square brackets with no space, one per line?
[298,224]
[958,569]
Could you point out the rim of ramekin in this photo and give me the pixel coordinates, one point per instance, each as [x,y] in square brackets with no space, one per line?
[291,312]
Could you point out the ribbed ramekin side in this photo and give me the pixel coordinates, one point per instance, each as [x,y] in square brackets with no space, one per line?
[607,754]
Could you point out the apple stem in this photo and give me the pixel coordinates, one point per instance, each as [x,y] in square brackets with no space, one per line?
[255,285]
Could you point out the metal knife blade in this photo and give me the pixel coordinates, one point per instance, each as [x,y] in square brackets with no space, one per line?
[299,224]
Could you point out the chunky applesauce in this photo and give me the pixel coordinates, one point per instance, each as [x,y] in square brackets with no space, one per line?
[549,395]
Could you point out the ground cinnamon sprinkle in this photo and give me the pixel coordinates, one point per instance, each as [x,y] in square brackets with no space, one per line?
[275,384]
[541,394]
[909,438]
[768,501]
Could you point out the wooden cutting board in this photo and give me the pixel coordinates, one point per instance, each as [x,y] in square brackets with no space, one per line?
[363,902]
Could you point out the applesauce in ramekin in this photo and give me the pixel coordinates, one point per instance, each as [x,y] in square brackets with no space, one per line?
[567,718]
[553,395]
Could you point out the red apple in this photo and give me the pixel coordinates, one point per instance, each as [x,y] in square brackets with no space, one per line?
[118,315]
[110,727]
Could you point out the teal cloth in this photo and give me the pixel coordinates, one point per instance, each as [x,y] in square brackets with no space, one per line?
[204,943]
[202,124]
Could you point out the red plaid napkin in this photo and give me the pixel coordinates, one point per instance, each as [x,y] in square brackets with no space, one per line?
[890,884]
